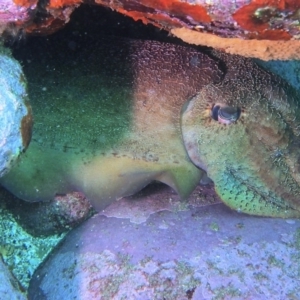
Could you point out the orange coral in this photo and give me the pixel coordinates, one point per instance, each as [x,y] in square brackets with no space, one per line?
[26,3]
[163,13]
[272,35]
[135,15]
[62,3]
[162,20]
[178,8]
[256,17]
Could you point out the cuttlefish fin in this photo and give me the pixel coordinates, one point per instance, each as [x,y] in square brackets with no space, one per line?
[183,181]
[107,179]
[39,175]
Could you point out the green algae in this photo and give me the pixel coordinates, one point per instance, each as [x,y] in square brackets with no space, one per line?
[22,252]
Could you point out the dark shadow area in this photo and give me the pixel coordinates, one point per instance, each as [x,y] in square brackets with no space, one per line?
[87,24]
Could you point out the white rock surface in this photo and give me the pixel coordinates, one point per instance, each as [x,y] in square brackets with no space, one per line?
[15,113]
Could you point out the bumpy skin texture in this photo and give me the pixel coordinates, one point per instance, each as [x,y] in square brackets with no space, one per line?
[110,124]
[255,161]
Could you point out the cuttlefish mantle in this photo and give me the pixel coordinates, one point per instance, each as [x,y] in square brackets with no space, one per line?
[130,112]
[110,125]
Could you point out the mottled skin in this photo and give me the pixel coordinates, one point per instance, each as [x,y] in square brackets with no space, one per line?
[110,125]
[255,161]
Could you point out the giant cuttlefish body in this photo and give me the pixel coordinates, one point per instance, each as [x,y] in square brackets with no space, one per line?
[131,112]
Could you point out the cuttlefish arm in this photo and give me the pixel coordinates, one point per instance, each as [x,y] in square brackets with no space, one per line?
[244,133]
[110,124]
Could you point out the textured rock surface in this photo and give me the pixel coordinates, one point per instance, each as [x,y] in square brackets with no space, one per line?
[265,20]
[9,287]
[202,253]
[262,49]
[260,19]
[48,218]
[289,70]
[247,19]
[15,112]
[21,251]
[12,13]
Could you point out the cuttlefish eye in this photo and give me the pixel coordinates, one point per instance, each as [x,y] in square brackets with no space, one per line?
[225,114]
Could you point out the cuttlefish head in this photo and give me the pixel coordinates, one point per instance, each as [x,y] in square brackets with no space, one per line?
[246,136]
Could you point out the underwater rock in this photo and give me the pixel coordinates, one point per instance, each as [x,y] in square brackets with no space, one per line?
[14,16]
[15,111]
[246,19]
[266,29]
[252,19]
[9,287]
[208,251]
[262,49]
[110,125]
[59,215]
[288,70]
[158,197]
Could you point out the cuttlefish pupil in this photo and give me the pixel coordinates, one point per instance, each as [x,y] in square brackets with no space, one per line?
[225,114]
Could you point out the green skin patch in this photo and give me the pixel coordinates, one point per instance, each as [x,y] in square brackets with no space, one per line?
[110,124]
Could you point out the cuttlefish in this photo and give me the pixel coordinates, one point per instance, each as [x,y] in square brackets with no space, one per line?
[130,112]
